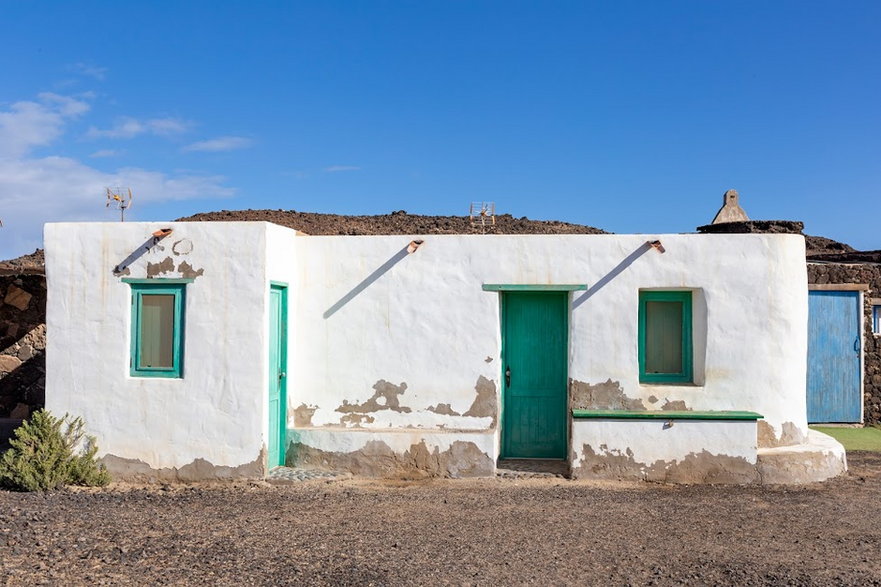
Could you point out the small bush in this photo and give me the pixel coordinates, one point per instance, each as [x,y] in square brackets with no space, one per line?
[49,453]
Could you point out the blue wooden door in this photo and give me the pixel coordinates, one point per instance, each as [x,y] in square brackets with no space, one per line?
[535,374]
[834,356]
[277,375]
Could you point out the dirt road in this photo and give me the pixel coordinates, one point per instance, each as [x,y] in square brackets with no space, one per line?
[481,532]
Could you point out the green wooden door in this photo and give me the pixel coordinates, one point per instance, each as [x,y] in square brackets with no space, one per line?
[277,374]
[535,374]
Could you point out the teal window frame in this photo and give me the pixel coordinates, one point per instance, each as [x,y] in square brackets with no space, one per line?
[686,374]
[157,287]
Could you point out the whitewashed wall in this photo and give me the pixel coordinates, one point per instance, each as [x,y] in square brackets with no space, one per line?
[216,412]
[423,320]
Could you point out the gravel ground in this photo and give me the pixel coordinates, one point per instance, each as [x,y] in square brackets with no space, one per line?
[464,532]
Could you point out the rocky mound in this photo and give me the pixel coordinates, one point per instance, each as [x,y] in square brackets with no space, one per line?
[399,222]
[26,264]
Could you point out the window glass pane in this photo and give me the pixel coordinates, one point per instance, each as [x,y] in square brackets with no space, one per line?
[663,337]
[157,331]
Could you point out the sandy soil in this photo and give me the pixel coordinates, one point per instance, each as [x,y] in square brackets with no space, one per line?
[478,532]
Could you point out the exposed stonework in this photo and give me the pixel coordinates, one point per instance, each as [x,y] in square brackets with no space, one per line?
[22,345]
[17,297]
[486,403]
[122,469]
[703,467]
[303,416]
[377,459]
[601,396]
[754,226]
[790,435]
[386,396]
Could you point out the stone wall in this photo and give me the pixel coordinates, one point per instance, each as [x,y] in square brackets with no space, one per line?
[868,273]
[22,344]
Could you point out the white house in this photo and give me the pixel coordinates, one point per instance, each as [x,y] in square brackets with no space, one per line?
[223,349]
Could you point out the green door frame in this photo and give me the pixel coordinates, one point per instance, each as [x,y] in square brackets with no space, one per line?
[504,291]
[281,413]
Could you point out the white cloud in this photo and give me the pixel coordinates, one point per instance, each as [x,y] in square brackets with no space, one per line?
[339,168]
[127,127]
[28,124]
[89,70]
[35,190]
[100,153]
[227,143]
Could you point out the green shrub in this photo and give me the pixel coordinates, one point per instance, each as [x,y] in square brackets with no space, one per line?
[49,453]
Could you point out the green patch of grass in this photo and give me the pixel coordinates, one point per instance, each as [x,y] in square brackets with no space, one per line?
[868,438]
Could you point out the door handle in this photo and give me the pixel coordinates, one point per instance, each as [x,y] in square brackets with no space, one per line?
[508,376]
[282,374]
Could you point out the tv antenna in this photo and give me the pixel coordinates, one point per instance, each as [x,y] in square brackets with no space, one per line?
[482,214]
[121,198]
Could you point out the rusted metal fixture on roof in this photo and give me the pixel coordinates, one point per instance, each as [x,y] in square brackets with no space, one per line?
[656,245]
[414,244]
[162,233]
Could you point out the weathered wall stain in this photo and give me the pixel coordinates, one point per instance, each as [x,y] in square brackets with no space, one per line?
[486,403]
[377,459]
[356,420]
[182,247]
[443,409]
[702,467]
[601,396]
[122,469]
[675,406]
[790,435]
[385,397]
[653,399]
[303,416]
[186,270]
[164,266]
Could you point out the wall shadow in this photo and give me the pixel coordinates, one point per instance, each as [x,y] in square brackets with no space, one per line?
[624,264]
[376,274]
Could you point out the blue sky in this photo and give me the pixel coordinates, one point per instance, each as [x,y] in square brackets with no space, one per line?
[628,116]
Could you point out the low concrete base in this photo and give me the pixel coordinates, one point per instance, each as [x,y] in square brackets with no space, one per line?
[819,458]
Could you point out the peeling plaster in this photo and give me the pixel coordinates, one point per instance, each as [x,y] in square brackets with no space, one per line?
[377,459]
[303,416]
[187,271]
[601,396]
[122,469]
[790,435]
[443,409]
[676,406]
[653,399]
[385,397]
[702,467]
[161,268]
[486,403]
[488,360]
[356,420]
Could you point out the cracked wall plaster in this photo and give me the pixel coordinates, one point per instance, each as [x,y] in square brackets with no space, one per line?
[443,409]
[303,416]
[186,270]
[161,268]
